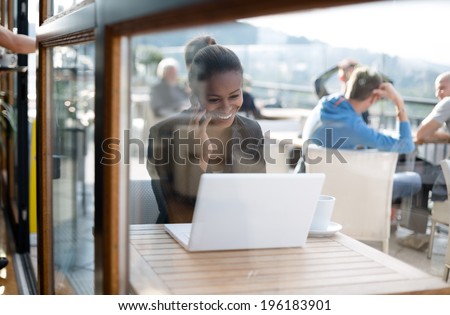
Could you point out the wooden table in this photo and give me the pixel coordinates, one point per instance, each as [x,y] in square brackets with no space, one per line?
[331,265]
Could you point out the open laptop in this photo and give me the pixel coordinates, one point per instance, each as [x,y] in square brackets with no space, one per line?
[248,210]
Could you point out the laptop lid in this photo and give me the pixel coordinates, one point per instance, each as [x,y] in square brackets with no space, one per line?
[253,210]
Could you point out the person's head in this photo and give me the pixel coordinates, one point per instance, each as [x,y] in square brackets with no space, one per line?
[442,85]
[361,85]
[215,78]
[345,69]
[194,45]
[167,70]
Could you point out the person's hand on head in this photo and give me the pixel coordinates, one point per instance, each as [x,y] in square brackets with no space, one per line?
[386,90]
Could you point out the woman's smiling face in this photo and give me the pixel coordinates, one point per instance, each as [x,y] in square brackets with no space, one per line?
[222,97]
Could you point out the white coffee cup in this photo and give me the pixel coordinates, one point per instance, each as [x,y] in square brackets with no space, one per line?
[322,215]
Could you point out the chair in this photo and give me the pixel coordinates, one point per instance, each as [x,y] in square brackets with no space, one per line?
[362,182]
[145,205]
[439,214]
[278,149]
[445,214]
[278,159]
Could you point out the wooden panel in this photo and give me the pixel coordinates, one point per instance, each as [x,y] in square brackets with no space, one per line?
[130,18]
[110,180]
[44,160]
[76,22]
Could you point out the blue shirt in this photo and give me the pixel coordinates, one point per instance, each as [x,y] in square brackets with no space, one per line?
[340,127]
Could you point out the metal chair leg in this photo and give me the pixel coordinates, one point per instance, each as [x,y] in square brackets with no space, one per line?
[446,272]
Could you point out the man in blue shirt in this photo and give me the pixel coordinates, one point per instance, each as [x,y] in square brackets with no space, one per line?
[341,125]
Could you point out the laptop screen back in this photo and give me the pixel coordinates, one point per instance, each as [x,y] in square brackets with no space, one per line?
[241,211]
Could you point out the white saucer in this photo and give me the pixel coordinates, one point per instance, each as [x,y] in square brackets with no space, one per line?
[333,228]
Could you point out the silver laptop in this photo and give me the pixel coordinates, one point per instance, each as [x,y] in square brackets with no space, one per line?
[247,210]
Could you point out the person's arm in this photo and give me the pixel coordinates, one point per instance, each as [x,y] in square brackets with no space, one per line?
[405,143]
[319,83]
[430,128]
[17,43]
[387,91]
[170,182]
[429,132]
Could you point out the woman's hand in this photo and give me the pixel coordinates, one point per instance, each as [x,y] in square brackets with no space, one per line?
[197,130]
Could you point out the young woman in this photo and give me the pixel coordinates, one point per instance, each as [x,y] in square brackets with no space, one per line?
[209,137]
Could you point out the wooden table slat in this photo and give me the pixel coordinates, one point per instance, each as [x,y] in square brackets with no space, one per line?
[308,271]
[321,264]
[363,282]
[167,260]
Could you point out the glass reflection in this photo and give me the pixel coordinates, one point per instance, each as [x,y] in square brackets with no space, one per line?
[63,5]
[73,136]
[281,67]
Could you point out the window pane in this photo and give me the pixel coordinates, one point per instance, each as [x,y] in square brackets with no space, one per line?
[63,5]
[73,198]
[282,58]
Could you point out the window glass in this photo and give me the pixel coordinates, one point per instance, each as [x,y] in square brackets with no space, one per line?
[63,5]
[280,67]
[73,160]
[282,58]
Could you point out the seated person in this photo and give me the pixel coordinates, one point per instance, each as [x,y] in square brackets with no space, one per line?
[248,105]
[435,129]
[343,69]
[168,97]
[430,129]
[341,126]
[208,137]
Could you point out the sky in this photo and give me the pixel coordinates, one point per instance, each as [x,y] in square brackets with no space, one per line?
[411,29]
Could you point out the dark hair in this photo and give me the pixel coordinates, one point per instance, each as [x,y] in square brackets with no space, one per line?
[194,45]
[212,60]
[361,84]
